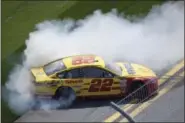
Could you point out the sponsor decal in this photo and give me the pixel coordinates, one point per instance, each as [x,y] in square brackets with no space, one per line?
[73,81]
[47,83]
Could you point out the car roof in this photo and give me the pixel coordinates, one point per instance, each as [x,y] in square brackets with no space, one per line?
[97,61]
[68,61]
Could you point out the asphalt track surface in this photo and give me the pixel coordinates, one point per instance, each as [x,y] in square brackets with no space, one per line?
[170,107]
[98,110]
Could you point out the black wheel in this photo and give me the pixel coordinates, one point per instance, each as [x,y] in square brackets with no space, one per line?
[139,91]
[66,96]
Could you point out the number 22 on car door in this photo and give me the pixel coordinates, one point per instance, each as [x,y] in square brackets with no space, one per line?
[100,86]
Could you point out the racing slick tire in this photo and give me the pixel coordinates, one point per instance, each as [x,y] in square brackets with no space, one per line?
[66,96]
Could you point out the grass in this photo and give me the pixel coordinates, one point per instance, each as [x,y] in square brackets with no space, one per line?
[23,20]
[20,17]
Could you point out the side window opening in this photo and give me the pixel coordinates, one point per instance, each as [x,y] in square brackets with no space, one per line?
[74,73]
[94,72]
[107,74]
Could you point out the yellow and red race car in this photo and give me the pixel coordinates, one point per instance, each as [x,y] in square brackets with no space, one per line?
[89,75]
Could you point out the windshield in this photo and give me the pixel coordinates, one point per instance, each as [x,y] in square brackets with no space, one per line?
[115,68]
[54,67]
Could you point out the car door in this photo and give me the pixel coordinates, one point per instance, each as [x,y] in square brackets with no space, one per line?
[72,78]
[98,82]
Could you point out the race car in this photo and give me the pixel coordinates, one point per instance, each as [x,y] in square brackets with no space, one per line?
[90,75]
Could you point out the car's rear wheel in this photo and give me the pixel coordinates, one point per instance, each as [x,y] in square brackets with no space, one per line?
[66,96]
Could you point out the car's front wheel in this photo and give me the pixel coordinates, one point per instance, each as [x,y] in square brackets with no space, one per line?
[66,96]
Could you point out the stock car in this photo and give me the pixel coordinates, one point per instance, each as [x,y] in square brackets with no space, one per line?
[90,75]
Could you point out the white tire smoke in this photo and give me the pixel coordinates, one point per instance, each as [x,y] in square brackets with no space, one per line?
[156,41]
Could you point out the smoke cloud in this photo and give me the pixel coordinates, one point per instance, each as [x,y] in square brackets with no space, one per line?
[156,40]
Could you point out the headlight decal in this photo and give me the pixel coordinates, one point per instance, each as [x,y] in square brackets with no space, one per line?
[129,68]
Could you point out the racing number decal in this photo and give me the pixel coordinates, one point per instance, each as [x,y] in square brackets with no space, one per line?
[83,60]
[106,85]
[100,85]
[95,85]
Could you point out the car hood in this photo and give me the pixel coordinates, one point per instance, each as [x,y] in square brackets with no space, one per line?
[39,74]
[135,70]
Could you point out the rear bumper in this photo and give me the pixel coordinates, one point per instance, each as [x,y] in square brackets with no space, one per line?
[153,86]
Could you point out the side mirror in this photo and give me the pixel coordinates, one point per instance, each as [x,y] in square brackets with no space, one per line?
[54,76]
